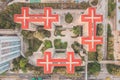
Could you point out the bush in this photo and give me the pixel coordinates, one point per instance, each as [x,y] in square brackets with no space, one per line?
[77,30]
[110,44]
[99,29]
[47,45]
[58,32]
[68,18]
[113,69]
[34,44]
[111,8]
[92,56]
[27,34]
[76,47]
[60,45]
[79,69]
[96,56]
[46,33]
[20,63]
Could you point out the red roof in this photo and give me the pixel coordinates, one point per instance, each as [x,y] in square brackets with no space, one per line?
[49,63]
[92,18]
[47,18]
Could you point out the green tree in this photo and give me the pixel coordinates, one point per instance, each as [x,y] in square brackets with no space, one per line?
[48,44]
[111,8]
[113,69]
[94,68]
[92,56]
[76,47]
[59,44]
[68,18]
[99,29]
[23,62]
[110,44]
[76,30]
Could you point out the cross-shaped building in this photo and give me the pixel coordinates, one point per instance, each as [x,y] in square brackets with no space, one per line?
[49,63]
[47,18]
[92,19]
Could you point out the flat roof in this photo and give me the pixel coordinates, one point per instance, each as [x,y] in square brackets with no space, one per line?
[118,15]
[48,62]
[47,18]
[91,18]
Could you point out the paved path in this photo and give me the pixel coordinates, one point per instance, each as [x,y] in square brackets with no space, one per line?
[7,31]
[103,9]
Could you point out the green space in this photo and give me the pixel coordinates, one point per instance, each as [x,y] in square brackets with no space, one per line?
[7,17]
[68,18]
[99,29]
[94,68]
[41,34]
[95,56]
[58,32]
[92,56]
[44,32]
[111,8]
[27,34]
[79,69]
[20,63]
[76,47]
[34,45]
[59,44]
[32,42]
[47,45]
[110,44]
[77,30]
[113,69]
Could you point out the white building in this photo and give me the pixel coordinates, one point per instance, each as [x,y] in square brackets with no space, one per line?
[118,15]
[10,48]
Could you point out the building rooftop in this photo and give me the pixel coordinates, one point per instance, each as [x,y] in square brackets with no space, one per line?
[46,18]
[92,19]
[70,62]
[118,15]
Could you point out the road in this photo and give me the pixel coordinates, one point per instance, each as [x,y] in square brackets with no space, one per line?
[86,66]
[28,76]
[20,75]
[106,62]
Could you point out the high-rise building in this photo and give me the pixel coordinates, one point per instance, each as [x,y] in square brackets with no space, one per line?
[10,48]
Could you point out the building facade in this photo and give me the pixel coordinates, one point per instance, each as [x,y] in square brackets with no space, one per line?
[10,48]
